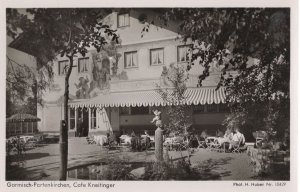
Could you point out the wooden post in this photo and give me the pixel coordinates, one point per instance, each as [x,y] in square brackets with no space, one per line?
[69,113]
[159,144]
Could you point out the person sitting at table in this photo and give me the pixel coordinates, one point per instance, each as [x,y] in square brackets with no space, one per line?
[228,135]
[237,139]
[203,134]
[222,138]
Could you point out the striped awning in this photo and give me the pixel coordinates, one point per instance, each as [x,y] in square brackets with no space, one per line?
[194,96]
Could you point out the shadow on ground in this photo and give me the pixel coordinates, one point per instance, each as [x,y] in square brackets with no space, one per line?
[213,169]
[18,173]
[28,156]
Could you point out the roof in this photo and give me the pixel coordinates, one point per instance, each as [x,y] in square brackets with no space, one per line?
[152,98]
[22,117]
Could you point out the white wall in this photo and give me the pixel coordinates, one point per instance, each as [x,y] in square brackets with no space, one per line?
[51,118]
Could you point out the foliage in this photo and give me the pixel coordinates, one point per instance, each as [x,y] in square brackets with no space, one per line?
[179,115]
[165,170]
[252,46]
[65,31]
[46,33]
[117,170]
[168,170]
[23,90]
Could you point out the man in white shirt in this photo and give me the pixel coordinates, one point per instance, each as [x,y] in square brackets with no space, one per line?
[237,139]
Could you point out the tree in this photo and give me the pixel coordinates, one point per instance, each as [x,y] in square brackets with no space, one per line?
[252,46]
[23,88]
[46,33]
[179,115]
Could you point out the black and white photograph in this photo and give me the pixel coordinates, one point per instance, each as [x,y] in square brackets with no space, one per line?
[148,94]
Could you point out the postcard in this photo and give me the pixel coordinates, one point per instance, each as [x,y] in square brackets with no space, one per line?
[149,96]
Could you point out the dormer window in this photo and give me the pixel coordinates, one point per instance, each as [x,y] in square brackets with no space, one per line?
[123,20]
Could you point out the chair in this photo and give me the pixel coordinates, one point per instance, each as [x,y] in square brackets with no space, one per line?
[236,148]
[201,142]
[239,148]
[216,146]
[90,140]
[210,142]
[259,136]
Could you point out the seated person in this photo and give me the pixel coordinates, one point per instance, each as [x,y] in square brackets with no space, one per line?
[237,139]
[193,142]
[228,135]
[203,135]
[220,133]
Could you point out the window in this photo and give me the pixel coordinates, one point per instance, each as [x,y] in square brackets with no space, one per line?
[93,119]
[62,67]
[223,108]
[130,59]
[212,108]
[72,119]
[24,127]
[83,65]
[182,53]
[124,110]
[123,20]
[157,56]
[19,129]
[199,109]
[139,110]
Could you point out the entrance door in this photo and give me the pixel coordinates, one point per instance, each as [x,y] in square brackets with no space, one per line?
[85,116]
[82,123]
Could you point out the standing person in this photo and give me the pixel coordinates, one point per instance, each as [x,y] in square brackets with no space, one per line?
[133,140]
[20,145]
[147,139]
[79,128]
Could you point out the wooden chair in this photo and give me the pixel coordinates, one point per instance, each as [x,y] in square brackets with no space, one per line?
[90,140]
[201,142]
[239,148]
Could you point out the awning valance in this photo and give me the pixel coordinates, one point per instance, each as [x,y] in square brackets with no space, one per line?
[152,98]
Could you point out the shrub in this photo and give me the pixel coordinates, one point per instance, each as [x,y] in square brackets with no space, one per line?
[168,170]
[117,170]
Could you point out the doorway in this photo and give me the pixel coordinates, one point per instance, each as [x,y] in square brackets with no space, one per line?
[82,123]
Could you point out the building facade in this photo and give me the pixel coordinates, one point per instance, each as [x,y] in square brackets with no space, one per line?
[116,89]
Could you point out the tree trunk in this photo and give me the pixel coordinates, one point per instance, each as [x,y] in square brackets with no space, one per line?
[64,128]
[35,96]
